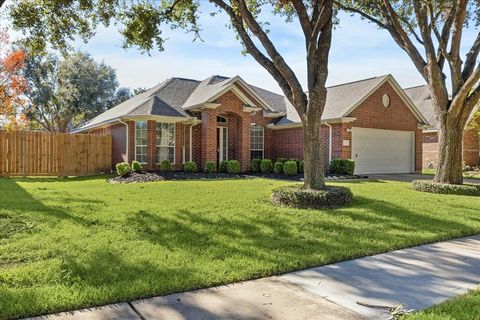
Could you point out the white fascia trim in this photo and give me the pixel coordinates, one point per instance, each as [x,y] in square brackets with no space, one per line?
[253,92]
[430,130]
[210,105]
[267,114]
[96,126]
[250,109]
[299,124]
[165,119]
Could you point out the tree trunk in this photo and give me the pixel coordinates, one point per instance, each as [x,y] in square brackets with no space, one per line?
[450,152]
[313,153]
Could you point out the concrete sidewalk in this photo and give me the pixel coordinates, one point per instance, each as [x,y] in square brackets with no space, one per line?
[417,278]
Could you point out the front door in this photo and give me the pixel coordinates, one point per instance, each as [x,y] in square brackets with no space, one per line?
[222,144]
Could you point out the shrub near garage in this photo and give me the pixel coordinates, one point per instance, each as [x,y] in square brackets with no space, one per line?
[123,168]
[233,167]
[290,168]
[444,188]
[190,167]
[210,167]
[266,166]
[296,196]
[301,165]
[342,166]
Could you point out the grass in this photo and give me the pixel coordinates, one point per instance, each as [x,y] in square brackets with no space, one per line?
[465,307]
[80,242]
[469,175]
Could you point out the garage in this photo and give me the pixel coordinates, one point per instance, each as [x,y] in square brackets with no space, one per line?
[383,151]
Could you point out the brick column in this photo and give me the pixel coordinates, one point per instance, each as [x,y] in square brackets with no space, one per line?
[131,141]
[178,146]
[151,145]
[209,136]
[244,131]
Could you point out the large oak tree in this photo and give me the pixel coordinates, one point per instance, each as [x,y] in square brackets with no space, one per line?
[430,32]
[58,22]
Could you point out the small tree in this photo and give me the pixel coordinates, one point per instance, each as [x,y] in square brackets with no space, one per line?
[12,85]
[430,32]
[56,22]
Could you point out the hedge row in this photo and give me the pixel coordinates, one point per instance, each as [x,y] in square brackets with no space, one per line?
[444,188]
[290,167]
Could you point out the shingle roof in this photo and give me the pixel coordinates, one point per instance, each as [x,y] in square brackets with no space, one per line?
[340,99]
[420,96]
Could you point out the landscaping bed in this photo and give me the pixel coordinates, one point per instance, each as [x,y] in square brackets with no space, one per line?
[136,177]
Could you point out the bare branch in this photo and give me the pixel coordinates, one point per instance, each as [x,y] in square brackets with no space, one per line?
[361,13]
[459,20]
[303,17]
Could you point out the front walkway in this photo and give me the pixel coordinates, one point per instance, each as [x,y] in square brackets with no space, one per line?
[417,278]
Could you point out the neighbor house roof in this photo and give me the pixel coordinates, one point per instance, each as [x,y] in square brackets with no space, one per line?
[173,97]
[342,99]
[420,96]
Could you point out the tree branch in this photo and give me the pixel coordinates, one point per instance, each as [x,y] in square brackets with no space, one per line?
[303,17]
[472,56]
[253,50]
[361,13]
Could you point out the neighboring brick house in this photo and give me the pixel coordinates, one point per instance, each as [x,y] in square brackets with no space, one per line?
[371,121]
[420,95]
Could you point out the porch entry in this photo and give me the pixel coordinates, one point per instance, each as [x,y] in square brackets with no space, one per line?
[222,144]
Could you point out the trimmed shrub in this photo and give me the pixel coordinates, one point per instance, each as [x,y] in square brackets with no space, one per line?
[296,196]
[295,159]
[210,167]
[342,166]
[278,167]
[223,167]
[301,167]
[256,165]
[136,166]
[190,166]
[123,168]
[282,160]
[233,167]
[290,168]
[444,188]
[266,166]
[165,166]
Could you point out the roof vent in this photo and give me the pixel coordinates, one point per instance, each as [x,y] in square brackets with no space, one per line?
[386,100]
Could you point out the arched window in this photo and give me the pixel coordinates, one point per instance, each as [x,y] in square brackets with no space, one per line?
[256,141]
[221,119]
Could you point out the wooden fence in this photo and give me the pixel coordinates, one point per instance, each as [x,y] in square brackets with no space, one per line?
[36,153]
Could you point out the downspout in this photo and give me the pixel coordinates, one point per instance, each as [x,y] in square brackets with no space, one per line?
[183,143]
[126,138]
[190,141]
[329,142]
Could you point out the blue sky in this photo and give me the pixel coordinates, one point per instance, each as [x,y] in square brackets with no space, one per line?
[359,50]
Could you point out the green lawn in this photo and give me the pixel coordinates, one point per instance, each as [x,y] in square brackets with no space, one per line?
[83,242]
[469,175]
[466,307]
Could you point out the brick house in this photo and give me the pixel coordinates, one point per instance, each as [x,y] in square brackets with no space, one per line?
[371,121]
[420,95]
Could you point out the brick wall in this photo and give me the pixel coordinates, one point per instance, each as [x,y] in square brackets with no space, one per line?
[430,149]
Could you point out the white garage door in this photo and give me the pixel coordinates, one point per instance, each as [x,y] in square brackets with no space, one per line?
[383,151]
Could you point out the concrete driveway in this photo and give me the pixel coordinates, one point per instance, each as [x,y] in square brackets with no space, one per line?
[409,177]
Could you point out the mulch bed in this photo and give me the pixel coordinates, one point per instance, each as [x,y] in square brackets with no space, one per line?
[135,177]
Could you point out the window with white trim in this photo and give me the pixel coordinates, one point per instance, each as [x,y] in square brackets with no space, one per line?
[256,141]
[141,141]
[166,142]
